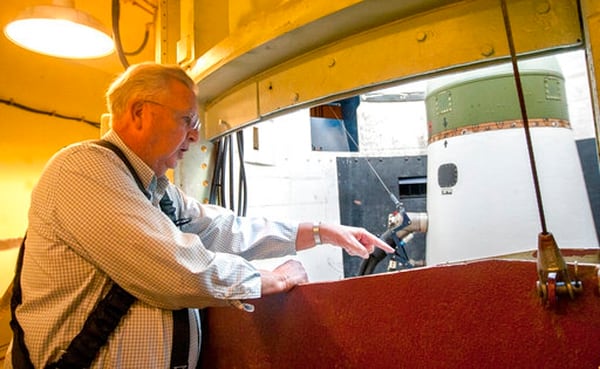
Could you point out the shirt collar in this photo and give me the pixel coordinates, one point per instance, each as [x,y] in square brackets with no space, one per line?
[155,185]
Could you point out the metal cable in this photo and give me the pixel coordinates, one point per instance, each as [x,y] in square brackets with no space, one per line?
[11,102]
[394,199]
[513,57]
[116,15]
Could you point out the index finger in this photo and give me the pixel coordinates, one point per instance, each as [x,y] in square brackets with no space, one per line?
[369,239]
[383,246]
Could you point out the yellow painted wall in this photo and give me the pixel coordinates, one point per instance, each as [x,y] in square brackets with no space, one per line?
[27,142]
[27,139]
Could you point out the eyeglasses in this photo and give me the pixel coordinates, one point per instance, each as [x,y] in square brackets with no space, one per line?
[192,121]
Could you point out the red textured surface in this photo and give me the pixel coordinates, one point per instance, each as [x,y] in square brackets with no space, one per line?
[483,314]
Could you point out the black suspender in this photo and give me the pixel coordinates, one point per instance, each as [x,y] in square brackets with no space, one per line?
[101,322]
[107,314]
[20,354]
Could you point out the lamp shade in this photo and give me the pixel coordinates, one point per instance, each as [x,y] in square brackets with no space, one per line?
[60,30]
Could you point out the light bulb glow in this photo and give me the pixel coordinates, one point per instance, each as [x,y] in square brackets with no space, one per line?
[66,37]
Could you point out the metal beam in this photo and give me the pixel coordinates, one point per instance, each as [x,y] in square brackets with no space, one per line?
[457,35]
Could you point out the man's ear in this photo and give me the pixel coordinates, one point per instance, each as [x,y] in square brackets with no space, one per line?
[136,111]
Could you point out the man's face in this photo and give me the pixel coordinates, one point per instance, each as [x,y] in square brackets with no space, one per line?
[173,126]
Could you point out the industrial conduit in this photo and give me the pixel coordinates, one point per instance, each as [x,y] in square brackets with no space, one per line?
[116,18]
[116,15]
[11,102]
[220,193]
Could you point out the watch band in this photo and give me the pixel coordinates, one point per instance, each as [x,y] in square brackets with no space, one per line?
[316,233]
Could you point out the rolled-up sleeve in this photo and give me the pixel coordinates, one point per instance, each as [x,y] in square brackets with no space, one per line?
[250,237]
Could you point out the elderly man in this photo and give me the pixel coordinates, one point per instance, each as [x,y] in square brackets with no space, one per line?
[106,228]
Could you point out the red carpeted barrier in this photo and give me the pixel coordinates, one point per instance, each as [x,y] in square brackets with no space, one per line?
[481,314]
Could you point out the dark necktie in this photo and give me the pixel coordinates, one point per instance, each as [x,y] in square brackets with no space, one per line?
[181,324]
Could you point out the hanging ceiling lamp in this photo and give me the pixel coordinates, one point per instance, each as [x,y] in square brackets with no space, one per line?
[60,30]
